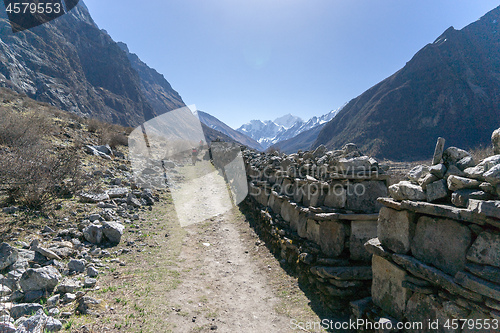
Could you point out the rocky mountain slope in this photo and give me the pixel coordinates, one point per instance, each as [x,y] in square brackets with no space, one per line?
[268,132]
[73,65]
[215,124]
[450,88]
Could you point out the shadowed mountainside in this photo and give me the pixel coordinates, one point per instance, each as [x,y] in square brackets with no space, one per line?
[450,88]
[73,65]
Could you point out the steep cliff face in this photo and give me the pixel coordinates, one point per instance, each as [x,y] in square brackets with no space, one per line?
[451,88]
[158,92]
[72,64]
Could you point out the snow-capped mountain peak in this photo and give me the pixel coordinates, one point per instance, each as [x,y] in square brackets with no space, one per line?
[287,120]
[286,127]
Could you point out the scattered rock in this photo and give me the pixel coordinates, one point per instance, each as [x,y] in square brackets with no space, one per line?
[23,309]
[93,233]
[77,266]
[40,322]
[45,278]
[88,305]
[92,272]
[69,286]
[93,197]
[113,231]
[8,255]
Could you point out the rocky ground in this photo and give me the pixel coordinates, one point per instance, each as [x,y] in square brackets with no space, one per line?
[118,260]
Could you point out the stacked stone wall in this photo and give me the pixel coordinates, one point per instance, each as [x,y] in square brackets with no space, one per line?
[316,210]
[436,260]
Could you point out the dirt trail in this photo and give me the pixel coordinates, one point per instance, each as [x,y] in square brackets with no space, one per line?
[213,276]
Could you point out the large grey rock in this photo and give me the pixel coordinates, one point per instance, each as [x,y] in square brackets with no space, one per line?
[39,323]
[35,246]
[362,197]
[489,273]
[485,250]
[302,224]
[320,151]
[438,170]
[387,287]
[93,197]
[93,233]
[113,231]
[493,175]
[435,276]
[485,165]
[336,196]
[6,327]
[355,164]
[466,162]
[134,202]
[23,309]
[438,151]
[361,232]
[405,190]
[418,172]
[458,183]
[343,273]
[453,154]
[436,190]
[374,246]
[45,278]
[495,140]
[275,202]
[286,210]
[426,180]
[294,218]
[8,255]
[490,208]
[442,243]
[119,192]
[427,309]
[478,285]
[396,229]
[69,285]
[331,238]
[461,198]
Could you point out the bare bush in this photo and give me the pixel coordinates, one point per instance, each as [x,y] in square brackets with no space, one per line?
[35,176]
[22,129]
[93,125]
[30,173]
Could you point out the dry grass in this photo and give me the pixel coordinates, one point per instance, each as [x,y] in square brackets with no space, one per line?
[481,152]
[111,134]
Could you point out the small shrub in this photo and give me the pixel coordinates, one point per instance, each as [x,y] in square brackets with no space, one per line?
[36,176]
[93,125]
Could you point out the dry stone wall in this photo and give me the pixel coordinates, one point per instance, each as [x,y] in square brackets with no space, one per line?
[436,260]
[316,210]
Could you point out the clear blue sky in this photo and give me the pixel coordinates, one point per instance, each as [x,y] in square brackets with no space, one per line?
[259,59]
